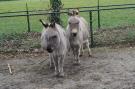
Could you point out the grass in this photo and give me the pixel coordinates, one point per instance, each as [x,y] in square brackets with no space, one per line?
[121,35]
[12,30]
[18,41]
[109,19]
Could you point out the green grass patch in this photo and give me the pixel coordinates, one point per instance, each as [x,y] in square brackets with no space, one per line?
[109,19]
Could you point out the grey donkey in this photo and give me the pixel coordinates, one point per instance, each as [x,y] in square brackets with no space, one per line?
[78,35]
[54,41]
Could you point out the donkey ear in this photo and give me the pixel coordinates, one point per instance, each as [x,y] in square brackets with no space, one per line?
[52,24]
[70,12]
[77,11]
[44,24]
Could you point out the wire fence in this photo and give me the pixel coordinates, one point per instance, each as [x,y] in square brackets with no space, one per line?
[28,15]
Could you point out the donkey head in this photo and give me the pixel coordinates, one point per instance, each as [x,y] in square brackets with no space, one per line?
[74,25]
[50,36]
[73,12]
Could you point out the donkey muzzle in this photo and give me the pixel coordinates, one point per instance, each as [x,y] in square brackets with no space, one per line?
[74,34]
[49,49]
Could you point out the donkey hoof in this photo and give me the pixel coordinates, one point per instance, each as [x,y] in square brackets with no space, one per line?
[59,75]
[51,67]
[90,55]
[77,63]
[80,55]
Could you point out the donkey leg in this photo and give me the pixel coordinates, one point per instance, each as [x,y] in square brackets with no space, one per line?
[51,61]
[89,50]
[77,57]
[82,51]
[74,55]
[69,51]
[61,62]
[56,64]
[78,53]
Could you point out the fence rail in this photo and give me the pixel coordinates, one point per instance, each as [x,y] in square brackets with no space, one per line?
[27,13]
[67,12]
[119,5]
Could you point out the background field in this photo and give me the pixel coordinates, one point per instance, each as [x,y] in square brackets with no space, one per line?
[109,19]
[117,26]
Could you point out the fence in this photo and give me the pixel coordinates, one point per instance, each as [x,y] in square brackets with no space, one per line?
[28,13]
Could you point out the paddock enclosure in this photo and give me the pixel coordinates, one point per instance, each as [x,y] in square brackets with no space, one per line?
[112,40]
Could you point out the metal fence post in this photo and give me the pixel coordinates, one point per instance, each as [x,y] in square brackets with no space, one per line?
[28,18]
[91,29]
[99,25]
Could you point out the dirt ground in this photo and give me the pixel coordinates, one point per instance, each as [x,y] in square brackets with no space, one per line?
[108,69]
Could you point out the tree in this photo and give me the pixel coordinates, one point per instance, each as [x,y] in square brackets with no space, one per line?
[55,7]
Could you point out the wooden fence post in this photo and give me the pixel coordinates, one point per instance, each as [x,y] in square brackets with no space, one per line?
[91,29]
[99,25]
[28,18]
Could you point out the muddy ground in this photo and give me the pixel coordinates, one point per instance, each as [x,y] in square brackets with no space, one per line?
[107,69]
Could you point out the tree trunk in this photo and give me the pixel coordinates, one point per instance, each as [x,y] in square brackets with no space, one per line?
[55,6]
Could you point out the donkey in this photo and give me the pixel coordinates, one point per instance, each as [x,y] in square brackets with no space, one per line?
[75,12]
[78,34]
[54,41]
